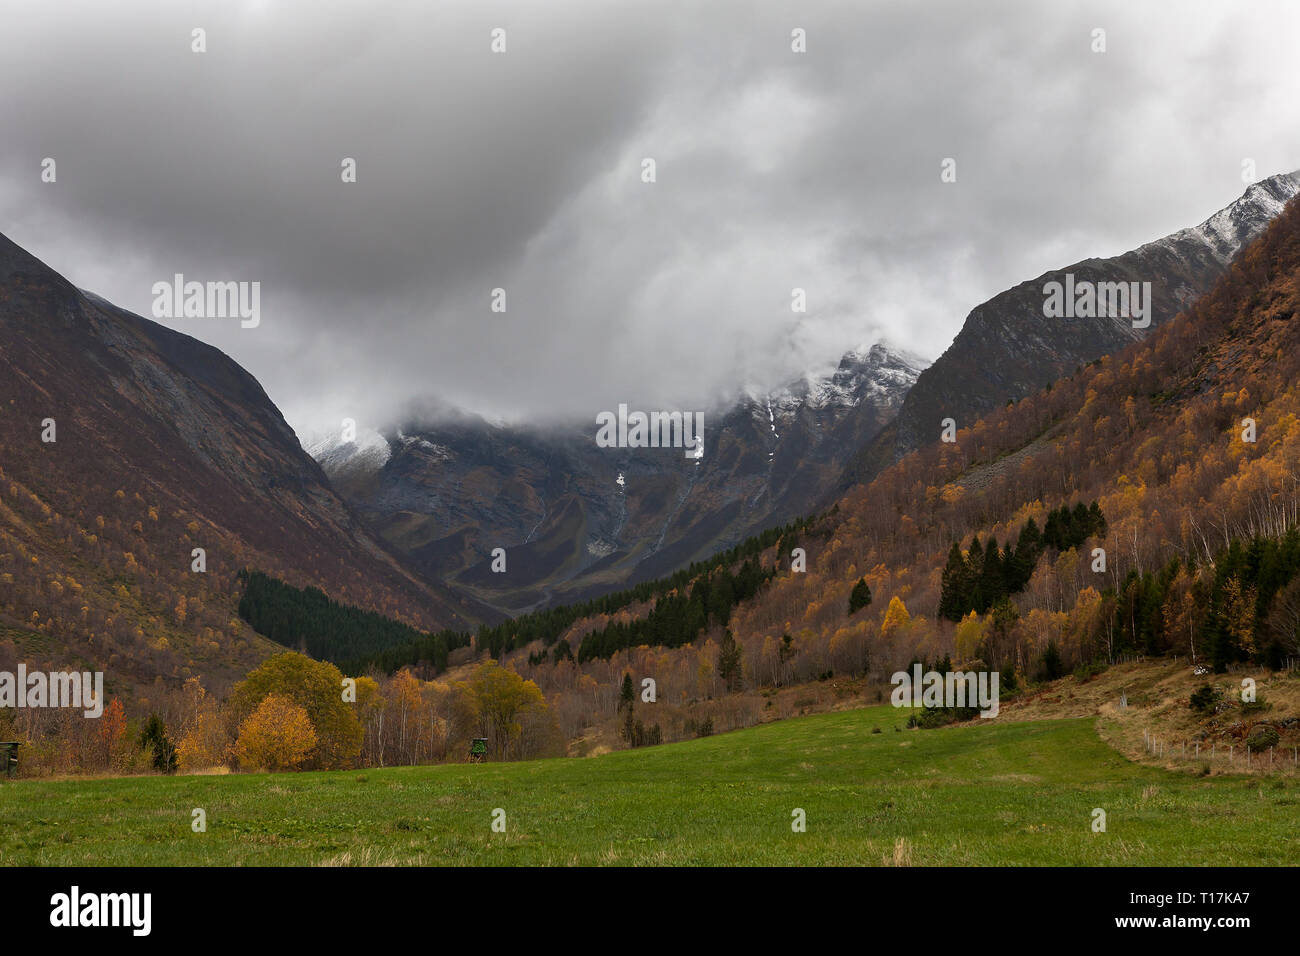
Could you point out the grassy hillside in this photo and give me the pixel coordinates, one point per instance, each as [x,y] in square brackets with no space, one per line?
[1001,793]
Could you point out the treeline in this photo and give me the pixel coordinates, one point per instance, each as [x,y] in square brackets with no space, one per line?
[307,619]
[431,650]
[359,640]
[985,574]
[678,619]
[1243,607]
[547,626]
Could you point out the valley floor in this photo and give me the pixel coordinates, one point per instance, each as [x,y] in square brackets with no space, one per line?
[999,792]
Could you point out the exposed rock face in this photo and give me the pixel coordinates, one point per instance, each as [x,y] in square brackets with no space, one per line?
[577,519]
[162,443]
[1008,348]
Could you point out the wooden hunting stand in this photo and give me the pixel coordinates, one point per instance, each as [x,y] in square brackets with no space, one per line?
[478,750]
[9,756]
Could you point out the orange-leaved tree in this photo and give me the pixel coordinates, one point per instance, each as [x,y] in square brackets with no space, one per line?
[278,735]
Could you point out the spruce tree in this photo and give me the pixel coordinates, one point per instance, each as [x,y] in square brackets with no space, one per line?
[990,585]
[953,597]
[974,574]
[154,739]
[729,661]
[860,596]
[625,697]
[1097,521]
[1052,665]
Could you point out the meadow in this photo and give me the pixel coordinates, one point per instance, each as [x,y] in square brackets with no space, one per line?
[997,793]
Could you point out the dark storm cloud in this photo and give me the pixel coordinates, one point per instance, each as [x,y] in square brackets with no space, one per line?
[521,171]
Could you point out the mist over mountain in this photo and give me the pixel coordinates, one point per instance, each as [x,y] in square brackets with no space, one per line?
[576,519]
[1007,348]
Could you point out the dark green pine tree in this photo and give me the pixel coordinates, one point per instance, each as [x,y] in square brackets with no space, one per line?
[1020,564]
[991,588]
[1080,524]
[1052,531]
[1219,639]
[954,596]
[974,577]
[729,660]
[626,695]
[1052,665]
[154,739]
[1097,521]
[860,596]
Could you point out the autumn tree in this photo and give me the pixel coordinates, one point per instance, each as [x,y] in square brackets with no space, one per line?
[968,636]
[277,735]
[111,733]
[1239,615]
[205,744]
[371,706]
[403,711]
[1000,628]
[315,686]
[501,698]
[896,617]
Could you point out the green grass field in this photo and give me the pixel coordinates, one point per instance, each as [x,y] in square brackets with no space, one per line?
[1019,794]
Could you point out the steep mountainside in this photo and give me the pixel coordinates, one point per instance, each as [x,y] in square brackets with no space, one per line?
[577,519]
[161,445]
[1007,348]
[1187,441]
[1178,452]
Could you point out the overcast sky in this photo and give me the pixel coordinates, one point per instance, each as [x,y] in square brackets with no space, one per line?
[522,171]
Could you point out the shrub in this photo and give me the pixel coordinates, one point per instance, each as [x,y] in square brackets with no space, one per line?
[1261,737]
[1254,706]
[1051,667]
[1086,672]
[1204,699]
[1007,678]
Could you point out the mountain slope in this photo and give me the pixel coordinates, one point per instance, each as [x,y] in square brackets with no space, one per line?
[1187,440]
[1201,534]
[1007,348]
[162,445]
[577,519]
